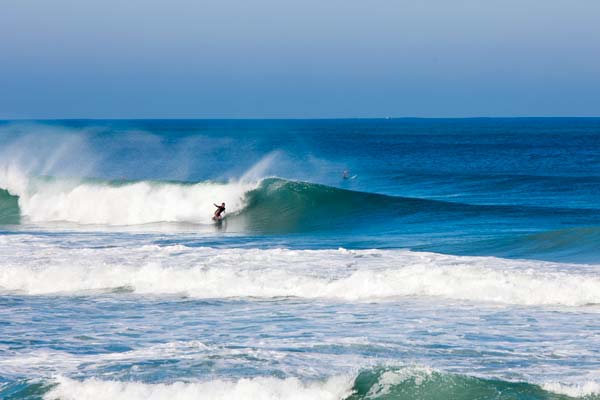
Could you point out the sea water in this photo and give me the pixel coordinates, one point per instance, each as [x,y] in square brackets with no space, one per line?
[454,259]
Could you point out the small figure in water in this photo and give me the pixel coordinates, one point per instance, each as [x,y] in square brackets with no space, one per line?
[220,209]
[345,175]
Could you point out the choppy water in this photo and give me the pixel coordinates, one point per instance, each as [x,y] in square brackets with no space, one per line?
[460,260]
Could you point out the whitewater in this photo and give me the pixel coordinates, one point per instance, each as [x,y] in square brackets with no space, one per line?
[462,262]
[343,275]
[118,203]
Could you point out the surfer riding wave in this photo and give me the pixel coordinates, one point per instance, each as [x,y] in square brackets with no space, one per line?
[220,209]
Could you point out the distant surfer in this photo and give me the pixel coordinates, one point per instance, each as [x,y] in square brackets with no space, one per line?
[346,175]
[220,209]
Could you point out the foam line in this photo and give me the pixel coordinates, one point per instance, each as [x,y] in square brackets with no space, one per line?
[334,274]
[260,388]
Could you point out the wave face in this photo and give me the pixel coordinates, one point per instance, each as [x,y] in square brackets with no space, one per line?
[407,383]
[9,208]
[425,383]
[288,206]
[358,275]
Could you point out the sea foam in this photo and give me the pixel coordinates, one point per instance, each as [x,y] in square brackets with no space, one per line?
[334,274]
[260,388]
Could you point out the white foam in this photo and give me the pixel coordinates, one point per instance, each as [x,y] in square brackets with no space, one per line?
[573,390]
[260,388]
[263,388]
[43,362]
[391,378]
[334,274]
[127,204]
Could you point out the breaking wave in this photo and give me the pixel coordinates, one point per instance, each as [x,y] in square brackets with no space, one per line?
[388,383]
[269,204]
[344,275]
[114,202]
[274,205]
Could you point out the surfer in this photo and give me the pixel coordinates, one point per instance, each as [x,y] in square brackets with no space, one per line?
[220,209]
[346,175]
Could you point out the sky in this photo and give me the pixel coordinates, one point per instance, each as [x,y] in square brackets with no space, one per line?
[298,59]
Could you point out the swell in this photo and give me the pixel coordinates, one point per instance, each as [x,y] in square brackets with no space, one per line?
[503,180]
[281,204]
[385,383]
[565,191]
[576,244]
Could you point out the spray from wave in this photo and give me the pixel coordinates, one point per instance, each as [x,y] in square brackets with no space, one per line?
[45,177]
[118,203]
[42,180]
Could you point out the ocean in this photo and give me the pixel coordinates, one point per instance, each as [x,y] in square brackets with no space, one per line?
[358,259]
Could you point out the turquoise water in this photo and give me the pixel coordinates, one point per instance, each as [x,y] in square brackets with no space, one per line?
[460,259]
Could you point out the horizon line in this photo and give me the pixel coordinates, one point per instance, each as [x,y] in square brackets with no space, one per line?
[287,118]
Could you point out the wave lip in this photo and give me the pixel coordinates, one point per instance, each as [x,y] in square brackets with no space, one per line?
[339,275]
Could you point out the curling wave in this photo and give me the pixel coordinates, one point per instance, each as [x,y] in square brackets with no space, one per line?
[270,204]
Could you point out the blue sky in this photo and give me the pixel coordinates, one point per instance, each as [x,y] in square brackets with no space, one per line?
[298,59]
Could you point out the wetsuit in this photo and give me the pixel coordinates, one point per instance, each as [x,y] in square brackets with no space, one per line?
[220,209]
